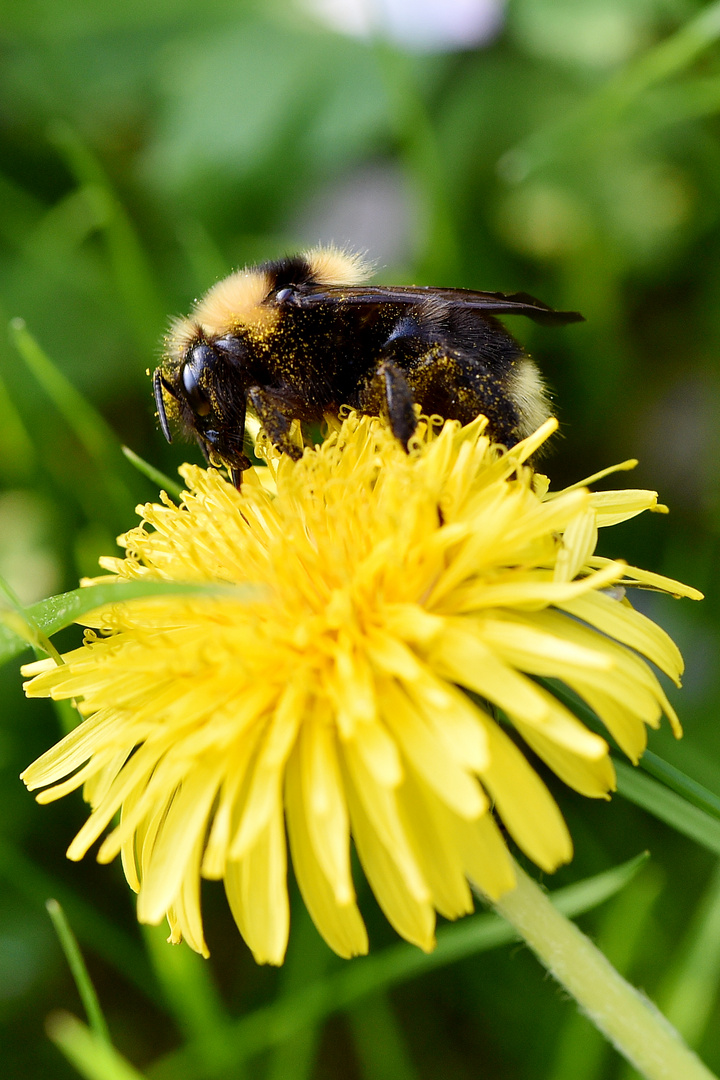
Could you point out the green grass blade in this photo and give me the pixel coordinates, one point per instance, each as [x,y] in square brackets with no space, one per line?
[669,775]
[134,278]
[681,784]
[673,809]
[688,998]
[93,1058]
[17,619]
[287,1017]
[117,948]
[587,894]
[602,111]
[17,450]
[158,478]
[18,622]
[91,430]
[60,611]
[76,963]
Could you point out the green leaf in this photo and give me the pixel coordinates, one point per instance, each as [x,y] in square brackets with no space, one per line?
[135,281]
[688,998]
[60,611]
[673,809]
[602,111]
[90,428]
[684,785]
[93,1057]
[76,963]
[163,482]
[22,624]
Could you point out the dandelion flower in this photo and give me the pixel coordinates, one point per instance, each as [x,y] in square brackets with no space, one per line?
[381,685]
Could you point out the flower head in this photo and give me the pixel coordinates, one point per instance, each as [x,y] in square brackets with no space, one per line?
[380,684]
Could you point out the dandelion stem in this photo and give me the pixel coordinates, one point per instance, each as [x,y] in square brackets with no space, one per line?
[630,1021]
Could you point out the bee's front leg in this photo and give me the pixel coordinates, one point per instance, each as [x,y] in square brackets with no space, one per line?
[275,414]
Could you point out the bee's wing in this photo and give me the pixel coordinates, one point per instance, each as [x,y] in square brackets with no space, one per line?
[494,303]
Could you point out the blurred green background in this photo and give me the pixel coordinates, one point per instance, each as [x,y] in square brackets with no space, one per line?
[146,148]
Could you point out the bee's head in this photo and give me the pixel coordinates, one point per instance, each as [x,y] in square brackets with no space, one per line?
[206,392]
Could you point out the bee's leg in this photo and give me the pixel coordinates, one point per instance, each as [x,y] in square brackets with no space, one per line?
[399,402]
[388,394]
[391,392]
[269,407]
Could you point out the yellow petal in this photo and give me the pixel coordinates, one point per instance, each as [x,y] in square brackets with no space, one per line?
[136,774]
[593,778]
[621,622]
[186,909]
[232,797]
[485,857]
[524,803]
[266,784]
[184,825]
[433,842]
[407,907]
[462,656]
[563,728]
[71,752]
[379,805]
[428,755]
[340,925]
[634,575]
[452,719]
[256,889]
[578,544]
[325,814]
[612,507]
[541,646]
[626,726]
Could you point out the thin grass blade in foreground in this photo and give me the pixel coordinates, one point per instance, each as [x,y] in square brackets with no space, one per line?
[79,971]
[92,1056]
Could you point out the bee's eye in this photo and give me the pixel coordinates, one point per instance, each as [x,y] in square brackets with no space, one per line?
[198,360]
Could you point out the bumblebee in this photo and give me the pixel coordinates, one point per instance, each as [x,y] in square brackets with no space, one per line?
[297,338]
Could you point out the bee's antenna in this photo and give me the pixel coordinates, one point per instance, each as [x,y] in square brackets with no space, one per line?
[160,384]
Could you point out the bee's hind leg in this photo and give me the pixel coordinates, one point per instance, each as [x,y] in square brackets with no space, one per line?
[388,394]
